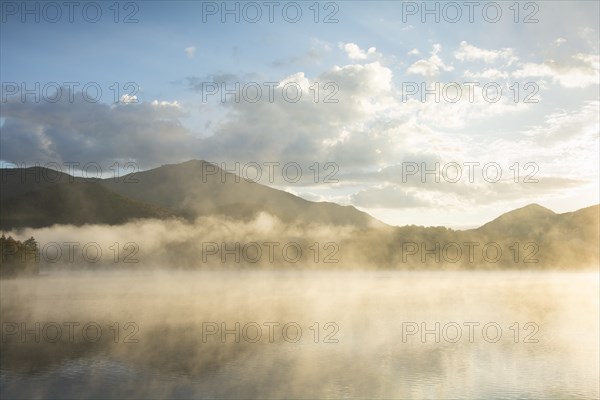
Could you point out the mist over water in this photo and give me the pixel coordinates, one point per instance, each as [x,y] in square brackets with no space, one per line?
[173,346]
[265,241]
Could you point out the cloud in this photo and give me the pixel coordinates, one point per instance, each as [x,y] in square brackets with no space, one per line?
[356,53]
[388,197]
[561,126]
[414,52]
[369,127]
[347,131]
[582,71]
[397,191]
[467,52]
[488,74]
[589,35]
[430,67]
[168,104]
[344,131]
[149,133]
[560,41]
[127,99]
[190,51]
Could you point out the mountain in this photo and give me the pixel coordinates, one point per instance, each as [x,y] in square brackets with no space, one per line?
[529,237]
[18,181]
[189,190]
[523,220]
[571,238]
[534,222]
[76,203]
[38,197]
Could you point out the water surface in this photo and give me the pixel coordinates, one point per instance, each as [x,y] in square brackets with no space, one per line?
[360,346]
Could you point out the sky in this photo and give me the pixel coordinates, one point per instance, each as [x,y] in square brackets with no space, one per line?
[437,113]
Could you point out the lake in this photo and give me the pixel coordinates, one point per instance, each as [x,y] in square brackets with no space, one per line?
[300,334]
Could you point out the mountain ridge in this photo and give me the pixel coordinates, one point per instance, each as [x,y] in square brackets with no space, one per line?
[171,198]
[528,237]
[179,190]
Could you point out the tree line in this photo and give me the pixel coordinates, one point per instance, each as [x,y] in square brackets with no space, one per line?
[18,258]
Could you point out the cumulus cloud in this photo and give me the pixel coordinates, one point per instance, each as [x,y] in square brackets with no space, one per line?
[430,67]
[366,126]
[335,120]
[560,41]
[336,127]
[356,53]
[127,99]
[468,52]
[583,70]
[350,114]
[149,133]
[489,74]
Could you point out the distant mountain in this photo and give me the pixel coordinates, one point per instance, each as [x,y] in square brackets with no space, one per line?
[520,221]
[38,197]
[561,239]
[75,203]
[534,222]
[189,190]
[529,237]
[18,181]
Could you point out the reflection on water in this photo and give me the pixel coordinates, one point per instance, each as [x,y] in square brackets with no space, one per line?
[348,334]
